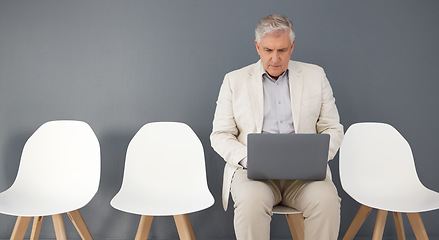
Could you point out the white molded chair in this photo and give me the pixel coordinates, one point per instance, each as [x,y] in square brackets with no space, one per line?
[378,171]
[59,173]
[164,175]
[294,219]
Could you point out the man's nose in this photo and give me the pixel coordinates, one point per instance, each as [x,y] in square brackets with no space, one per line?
[275,57]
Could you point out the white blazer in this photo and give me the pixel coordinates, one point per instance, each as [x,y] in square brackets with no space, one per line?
[239,111]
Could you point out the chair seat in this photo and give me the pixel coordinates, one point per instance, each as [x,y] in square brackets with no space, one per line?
[281,209]
[157,206]
[417,200]
[18,202]
[29,209]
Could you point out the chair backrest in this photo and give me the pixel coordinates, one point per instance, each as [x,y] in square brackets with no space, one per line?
[166,160]
[374,159]
[61,158]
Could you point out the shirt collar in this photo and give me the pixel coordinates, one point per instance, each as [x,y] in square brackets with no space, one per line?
[265,75]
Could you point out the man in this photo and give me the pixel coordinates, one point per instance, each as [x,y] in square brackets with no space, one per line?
[276,95]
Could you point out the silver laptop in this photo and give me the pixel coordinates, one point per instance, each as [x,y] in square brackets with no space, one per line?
[287,156]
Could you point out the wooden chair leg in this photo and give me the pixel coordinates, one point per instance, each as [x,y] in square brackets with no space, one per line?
[295,222]
[359,219]
[184,227]
[36,228]
[81,227]
[380,223]
[417,226]
[58,224]
[20,228]
[397,216]
[144,226]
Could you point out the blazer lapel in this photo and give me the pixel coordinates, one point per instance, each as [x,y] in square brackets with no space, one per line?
[296,89]
[256,93]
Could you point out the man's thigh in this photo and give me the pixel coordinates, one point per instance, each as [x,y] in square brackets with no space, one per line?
[309,193]
[245,191]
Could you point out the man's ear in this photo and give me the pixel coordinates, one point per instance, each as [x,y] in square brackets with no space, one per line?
[292,46]
[257,47]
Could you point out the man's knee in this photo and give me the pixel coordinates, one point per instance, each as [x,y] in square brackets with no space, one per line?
[320,196]
[254,202]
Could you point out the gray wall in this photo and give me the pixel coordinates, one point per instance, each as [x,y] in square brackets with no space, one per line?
[120,64]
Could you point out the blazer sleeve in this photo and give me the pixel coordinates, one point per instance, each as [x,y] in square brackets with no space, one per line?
[329,120]
[225,131]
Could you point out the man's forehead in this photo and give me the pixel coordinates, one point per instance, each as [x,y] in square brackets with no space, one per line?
[274,42]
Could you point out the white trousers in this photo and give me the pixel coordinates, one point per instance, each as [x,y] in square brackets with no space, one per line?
[254,201]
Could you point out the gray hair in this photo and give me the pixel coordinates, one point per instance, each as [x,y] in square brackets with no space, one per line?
[274,24]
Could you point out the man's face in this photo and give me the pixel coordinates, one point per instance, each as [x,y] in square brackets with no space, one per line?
[275,50]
